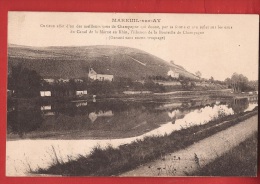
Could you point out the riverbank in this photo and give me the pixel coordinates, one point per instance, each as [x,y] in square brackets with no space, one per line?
[224,93]
[114,161]
[194,158]
[239,161]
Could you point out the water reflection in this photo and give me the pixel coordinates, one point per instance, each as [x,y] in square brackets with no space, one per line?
[109,122]
[94,115]
[115,118]
[21,122]
[240,104]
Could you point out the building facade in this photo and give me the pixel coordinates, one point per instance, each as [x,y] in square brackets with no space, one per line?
[45,93]
[100,77]
[173,74]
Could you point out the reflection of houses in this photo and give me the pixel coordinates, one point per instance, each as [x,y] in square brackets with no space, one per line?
[173,74]
[177,114]
[81,104]
[100,77]
[94,115]
[47,110]
[10,93]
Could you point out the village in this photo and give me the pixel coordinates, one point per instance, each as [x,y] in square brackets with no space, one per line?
[92,75]
[104,84]
[105,105]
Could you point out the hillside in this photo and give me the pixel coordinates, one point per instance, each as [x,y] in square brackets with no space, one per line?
[74,62]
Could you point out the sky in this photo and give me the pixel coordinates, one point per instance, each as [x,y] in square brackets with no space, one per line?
[217,52]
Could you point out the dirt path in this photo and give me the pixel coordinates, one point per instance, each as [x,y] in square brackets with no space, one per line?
[199,154]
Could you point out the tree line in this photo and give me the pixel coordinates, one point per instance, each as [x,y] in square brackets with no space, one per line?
[240,83]
[28,83]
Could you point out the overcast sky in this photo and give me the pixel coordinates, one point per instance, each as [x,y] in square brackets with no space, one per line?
[217,52]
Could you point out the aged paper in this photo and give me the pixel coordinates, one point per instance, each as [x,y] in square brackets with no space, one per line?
[132,94]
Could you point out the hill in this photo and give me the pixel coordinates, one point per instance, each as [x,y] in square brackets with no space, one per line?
[74,62]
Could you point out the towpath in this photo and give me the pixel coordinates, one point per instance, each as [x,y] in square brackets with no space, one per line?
[199,154]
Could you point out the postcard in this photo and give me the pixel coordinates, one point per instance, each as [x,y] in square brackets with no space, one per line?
[132,94]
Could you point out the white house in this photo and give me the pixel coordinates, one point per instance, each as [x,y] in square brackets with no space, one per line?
[50,81]
[173,74]
[100,77]
[78,80]
[83,92]
[45,93]
[46,107]
[63,80]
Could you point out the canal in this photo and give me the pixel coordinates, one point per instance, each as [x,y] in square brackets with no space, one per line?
[40,131]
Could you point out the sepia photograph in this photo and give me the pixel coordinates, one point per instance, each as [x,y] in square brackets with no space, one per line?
[132,94]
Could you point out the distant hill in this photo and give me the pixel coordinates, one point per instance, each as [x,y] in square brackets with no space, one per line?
[74,62]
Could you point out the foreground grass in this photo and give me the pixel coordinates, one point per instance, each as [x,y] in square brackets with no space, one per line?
[113,161]
[240,161]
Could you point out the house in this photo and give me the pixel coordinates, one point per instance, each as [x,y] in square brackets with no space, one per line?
[100,77]
[78,80]
[63,80]
[45,93]
[50,81]
[83,92]
[173,74]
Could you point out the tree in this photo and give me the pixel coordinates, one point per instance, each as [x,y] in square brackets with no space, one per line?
[25,82]
[239,83]
[211,79]
[227,81]
[184,83]
[198,74]
[192,84]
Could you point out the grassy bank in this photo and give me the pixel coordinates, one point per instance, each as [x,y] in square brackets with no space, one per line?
[173,94]
[240,161]
[113,161]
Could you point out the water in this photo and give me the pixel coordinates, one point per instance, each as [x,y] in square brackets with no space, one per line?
[74,128]
[104,118]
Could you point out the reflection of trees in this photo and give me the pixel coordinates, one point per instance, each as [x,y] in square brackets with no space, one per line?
[23,121]
[240,105]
